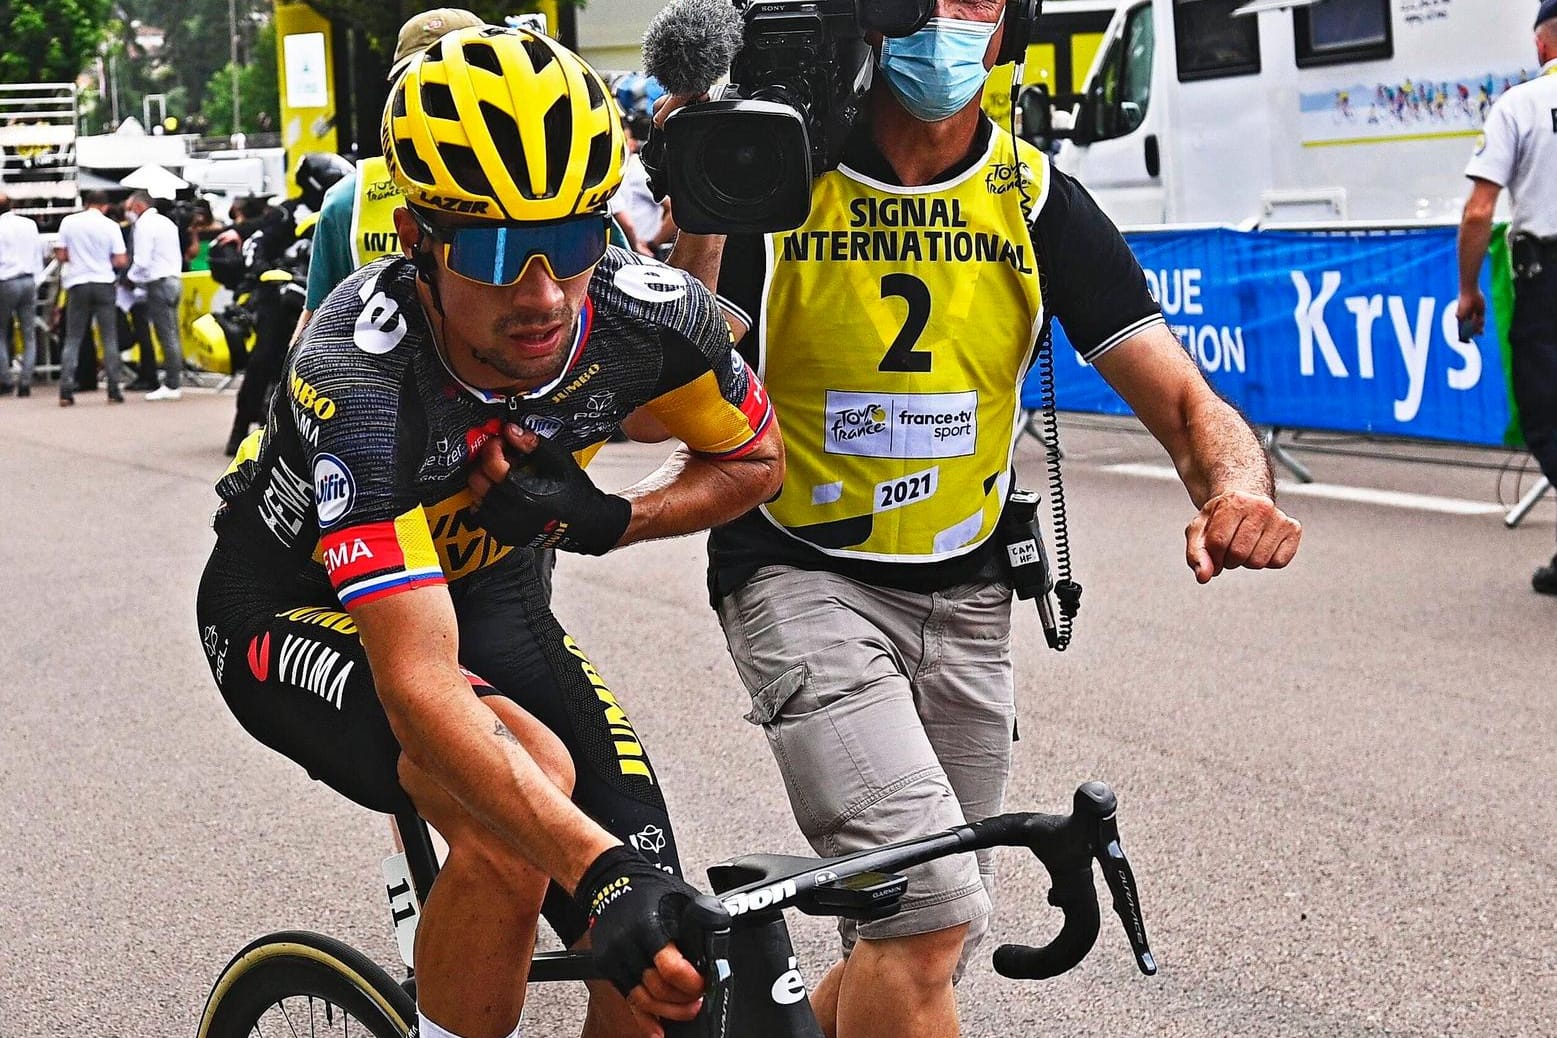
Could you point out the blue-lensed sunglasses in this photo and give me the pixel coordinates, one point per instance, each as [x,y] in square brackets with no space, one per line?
[500,254]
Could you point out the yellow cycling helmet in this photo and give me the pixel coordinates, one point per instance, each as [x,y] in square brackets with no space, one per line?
[503,124]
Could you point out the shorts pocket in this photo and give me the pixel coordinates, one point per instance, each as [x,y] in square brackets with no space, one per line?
[767,703]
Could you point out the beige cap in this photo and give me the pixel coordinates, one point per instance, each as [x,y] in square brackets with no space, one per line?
[423,30]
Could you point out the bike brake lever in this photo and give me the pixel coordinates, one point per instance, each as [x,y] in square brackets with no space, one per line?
[1116,870]
[704,938]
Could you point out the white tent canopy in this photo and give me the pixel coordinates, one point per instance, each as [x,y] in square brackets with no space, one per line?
[156,181]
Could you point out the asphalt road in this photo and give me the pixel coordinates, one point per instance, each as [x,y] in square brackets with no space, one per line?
[1337,783]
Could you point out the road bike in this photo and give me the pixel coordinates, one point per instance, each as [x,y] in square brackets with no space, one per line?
[297,983]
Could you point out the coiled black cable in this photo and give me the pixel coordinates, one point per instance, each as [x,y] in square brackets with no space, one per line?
[1067,591]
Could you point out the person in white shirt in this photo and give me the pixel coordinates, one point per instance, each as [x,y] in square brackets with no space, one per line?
[91,247]
[21,263]
[157,262]
[1518,151]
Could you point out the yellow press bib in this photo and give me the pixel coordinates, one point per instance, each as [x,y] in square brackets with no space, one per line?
[373,213]
[896,329]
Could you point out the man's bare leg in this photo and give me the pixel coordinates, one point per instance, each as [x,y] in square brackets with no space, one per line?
[900,987]
[477,931]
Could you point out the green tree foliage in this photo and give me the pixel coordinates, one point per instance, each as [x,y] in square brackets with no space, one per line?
[199,43]
[50,40]
[259,95]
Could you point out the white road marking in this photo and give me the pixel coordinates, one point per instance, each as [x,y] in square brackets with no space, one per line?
[1337,492]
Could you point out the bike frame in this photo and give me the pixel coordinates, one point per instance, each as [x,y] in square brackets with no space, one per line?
[746,927]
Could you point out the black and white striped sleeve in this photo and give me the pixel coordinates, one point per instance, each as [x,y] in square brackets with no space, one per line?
[1093,284]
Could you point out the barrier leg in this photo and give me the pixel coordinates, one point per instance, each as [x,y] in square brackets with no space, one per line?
[1516,515]
[1284,456]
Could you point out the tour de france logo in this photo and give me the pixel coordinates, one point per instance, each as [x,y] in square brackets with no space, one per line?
[852,423]
[1007,176]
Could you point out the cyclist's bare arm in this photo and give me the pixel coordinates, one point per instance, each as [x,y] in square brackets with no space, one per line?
[302,323]
[412,644]
[692,491]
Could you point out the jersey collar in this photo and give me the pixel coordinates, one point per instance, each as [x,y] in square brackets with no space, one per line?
[586,319]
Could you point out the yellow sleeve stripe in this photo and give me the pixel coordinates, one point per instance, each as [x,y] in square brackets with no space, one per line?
[705,421]
[416,540]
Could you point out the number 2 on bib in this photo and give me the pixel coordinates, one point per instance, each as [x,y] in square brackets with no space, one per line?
[901,355]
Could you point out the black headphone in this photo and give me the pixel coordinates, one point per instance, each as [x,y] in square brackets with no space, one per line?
[1021,21]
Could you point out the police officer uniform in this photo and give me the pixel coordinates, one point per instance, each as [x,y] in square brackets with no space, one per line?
[1518,151]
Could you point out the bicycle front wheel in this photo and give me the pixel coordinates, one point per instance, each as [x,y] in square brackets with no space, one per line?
[298,983]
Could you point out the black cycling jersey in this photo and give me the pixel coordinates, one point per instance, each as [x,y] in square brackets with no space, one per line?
[356,489]
[360,475]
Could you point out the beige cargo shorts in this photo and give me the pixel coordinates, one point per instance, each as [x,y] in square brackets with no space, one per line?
[890,716]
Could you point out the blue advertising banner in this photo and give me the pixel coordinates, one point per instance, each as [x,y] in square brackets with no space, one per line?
[1352,331]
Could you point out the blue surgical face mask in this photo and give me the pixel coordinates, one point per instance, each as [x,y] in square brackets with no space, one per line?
[936,71]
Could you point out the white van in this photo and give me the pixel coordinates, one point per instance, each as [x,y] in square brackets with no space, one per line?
[1253,112]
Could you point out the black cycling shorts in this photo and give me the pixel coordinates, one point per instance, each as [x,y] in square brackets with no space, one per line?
[295,675]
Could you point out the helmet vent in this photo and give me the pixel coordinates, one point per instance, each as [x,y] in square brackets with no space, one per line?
[482,56]
[399,107]
[599,160]
[505,137]
[411,163]
[596,95]
[466,170]
[559,143]
[438,101]
[540,54]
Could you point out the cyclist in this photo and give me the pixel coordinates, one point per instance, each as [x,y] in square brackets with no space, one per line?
[507,326]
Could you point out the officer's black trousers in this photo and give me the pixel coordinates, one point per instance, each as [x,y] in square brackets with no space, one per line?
[1533,340]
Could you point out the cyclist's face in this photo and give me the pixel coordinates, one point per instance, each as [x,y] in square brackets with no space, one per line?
[510,337]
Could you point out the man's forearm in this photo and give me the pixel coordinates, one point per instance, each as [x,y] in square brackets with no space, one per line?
[691,492]
[700,256]
[1475,237]
[1221,453]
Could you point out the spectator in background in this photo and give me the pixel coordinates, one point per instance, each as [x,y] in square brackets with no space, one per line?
[91,247]
[21,264]
[159,259]
[646,223]
[1518,151]
[203,227]
[134,330]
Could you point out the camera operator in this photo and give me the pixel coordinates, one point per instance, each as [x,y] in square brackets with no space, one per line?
[866,606]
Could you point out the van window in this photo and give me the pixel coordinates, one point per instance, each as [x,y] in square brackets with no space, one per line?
[1335,31]
[1123,87]
[1211,43]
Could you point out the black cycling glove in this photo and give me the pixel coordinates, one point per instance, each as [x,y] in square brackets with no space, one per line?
[547,501]
[634,909]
